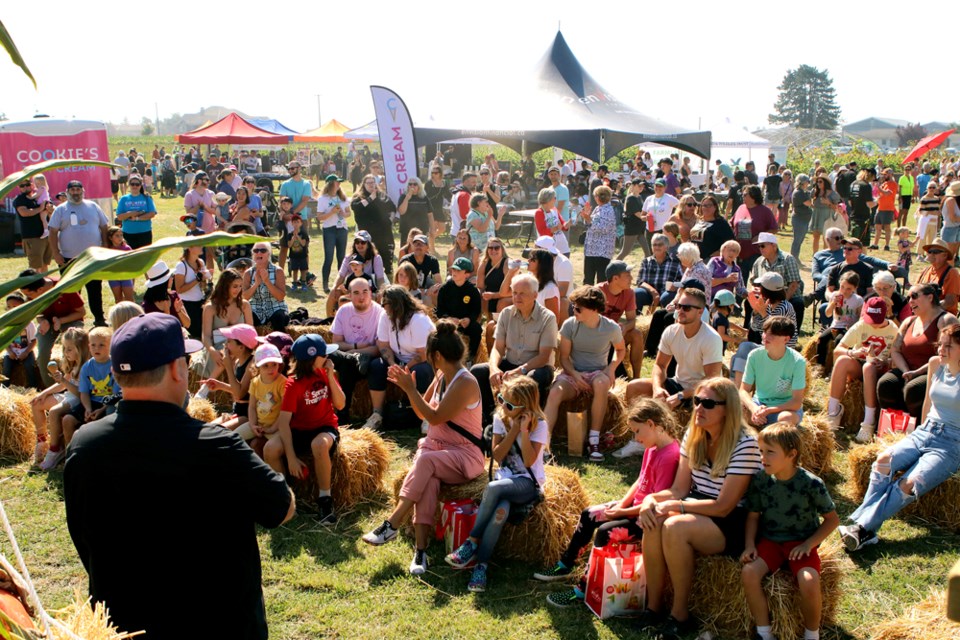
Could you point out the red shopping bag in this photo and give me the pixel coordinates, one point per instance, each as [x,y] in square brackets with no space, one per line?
[616,582]
[447,510]
[894,421]
[460,525]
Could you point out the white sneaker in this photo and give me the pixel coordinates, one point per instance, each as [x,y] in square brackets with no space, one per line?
[632,448]
[52,459]
[418,566]
[424,427]
[46,233]
[374,421]
[866,433]
[834,420]
[381,535]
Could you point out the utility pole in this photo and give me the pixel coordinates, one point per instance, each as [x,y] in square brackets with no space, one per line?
[156,116]
[319,120]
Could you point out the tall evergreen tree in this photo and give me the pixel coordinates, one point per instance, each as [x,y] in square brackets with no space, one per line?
[807,100]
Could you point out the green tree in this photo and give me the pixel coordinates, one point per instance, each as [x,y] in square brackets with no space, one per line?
[146,126]
[807,99]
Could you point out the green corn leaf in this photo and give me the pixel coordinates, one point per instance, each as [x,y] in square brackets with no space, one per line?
[12,180]
[11,48]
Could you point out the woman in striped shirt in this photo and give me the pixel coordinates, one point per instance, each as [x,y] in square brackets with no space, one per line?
[703,512]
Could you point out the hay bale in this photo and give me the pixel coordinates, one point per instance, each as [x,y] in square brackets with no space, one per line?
[360,404]
[18,377]
[295,331]
[544,535]
[717,598]
[17,433]
[809,353]
[614,420]
[201,409]
[940,506]
[927,619]
[359,466]
[90,621]
[854,406]
[819,443]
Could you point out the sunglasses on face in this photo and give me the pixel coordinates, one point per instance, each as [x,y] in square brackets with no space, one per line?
[509,405]
[363,242]
[935,252]
[688,307]
[261,250]
[915,295]
[691,204]
[848,249]
[706,403]
[494,247]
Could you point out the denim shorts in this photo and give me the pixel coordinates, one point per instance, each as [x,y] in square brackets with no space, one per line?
[950,234]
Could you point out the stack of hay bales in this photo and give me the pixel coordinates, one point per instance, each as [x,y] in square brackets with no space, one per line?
[809,353]
[717,598]
[940,506]
[359,466]
[614,421]
[544,535]
[927,619]
[17,433]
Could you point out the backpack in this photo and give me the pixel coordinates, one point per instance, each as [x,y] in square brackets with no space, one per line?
[618,214]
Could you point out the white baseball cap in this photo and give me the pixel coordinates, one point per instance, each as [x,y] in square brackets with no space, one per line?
[547,243]
[766,237]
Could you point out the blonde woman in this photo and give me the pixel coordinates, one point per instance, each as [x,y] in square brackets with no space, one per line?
[686,216]
[703,513]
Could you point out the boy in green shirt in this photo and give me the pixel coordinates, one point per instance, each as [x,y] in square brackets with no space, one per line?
[775,377]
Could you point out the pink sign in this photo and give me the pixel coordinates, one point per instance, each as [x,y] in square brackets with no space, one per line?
[19,149]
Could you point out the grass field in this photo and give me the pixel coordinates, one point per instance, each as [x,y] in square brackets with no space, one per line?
[324,582]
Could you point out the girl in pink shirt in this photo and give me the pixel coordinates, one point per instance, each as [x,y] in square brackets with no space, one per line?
[617,521]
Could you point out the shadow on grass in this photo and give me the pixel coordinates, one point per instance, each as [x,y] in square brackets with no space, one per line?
[932,542]
[327,545]
[627,468]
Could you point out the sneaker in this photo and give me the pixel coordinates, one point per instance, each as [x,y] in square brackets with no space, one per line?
[557,572]
[381,535]
[52,459]
[856,537]
[673,629]
[418,566]
[873,247]
[563,599]
[478,581]
[886,247]
[595,455]
[325,514]
[865,434]
[834,420]
[648,619]
[374,421]
[39,451]
[809,299]
[632,448]
[463,556]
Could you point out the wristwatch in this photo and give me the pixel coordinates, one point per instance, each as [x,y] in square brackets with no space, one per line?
[523,369]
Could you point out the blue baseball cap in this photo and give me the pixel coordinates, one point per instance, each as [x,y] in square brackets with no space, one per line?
[311,345]
[149,341]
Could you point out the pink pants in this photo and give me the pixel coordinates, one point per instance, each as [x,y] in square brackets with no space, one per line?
[434,463]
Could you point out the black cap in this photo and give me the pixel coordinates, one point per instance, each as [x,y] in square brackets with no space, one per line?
[149,341]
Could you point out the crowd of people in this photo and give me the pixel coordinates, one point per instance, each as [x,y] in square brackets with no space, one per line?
[713,276]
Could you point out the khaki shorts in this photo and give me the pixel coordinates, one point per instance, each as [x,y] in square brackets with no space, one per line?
[38,252]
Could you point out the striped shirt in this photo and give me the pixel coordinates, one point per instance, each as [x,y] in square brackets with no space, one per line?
[745,461]
[929,206]
[783,308]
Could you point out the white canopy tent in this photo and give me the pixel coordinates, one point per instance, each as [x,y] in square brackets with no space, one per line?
[733,144]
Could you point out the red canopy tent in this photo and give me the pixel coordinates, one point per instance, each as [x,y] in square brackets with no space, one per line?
[232,129]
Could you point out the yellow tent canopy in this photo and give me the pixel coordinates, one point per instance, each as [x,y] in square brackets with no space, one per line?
[332,131]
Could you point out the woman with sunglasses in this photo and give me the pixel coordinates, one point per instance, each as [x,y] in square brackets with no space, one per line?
[686,215]
[711,230]
[365,249]
[136,211]
[493,280]
[372,210]
[904,386]
[254,203]
[586,341]
[333,209]
[703,513]
[264,285]
[414,208]
[927,457]
[438,195]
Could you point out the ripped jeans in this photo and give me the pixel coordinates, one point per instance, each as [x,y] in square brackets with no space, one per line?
[494,509]
[927,457]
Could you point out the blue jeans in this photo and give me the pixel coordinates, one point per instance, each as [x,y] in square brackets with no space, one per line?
[333,238]
[739,360]
[29,365]
[801,224]
[494,509]
[927,457]
[377,375]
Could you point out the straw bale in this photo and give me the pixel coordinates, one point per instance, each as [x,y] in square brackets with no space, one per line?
[202,409]
[717,597]
[614,420]
[853,406]
[17,433]
[18,377]
[544,535]
[819,443]
[359,467]
[941,505]
[927,619]
[809,352]
[90,622]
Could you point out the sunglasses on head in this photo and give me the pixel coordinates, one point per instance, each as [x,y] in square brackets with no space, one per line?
[688,307]
[509,405]
[261,250]
[706,403]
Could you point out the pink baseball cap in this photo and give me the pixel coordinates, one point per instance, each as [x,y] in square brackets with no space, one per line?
[267,353]
[242,333]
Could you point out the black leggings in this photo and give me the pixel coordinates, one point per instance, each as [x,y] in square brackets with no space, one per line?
[825,343]
[893,393]
[595,269]
[592,521]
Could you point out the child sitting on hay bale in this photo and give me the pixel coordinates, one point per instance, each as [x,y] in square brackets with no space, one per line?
[266,395]
[97,385]
[844,307]
[520,434]
[654,427]
[50,405]
[786,504]
[775,378]
[20,351]
[308,420]
[237,361]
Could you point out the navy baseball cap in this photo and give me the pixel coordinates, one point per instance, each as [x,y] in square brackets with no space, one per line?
[149,341]
[309,346]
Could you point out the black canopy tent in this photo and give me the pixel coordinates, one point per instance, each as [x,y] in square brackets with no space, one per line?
[563,106]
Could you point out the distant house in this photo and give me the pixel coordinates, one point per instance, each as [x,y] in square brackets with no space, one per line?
[881,131]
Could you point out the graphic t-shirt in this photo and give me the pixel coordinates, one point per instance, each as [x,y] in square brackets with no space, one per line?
[96,378]
[775,380]
[877,340]
[789,510]
[140,204]
[308,399]
[268,398]
[512,465]
[751,222]
[357,327]
[22,343]
[660,210]
[426,270]
[848,312]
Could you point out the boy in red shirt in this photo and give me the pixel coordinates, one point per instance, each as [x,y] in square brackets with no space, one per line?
[308,419]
